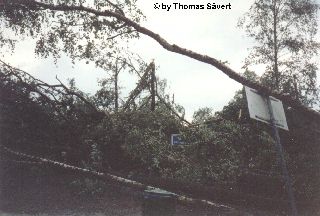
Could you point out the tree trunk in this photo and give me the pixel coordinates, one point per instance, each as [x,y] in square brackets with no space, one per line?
[275,47]
[181,199]
[153,88]
[116,91]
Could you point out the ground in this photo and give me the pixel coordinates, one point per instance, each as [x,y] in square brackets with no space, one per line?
[120,204]
[44,199]
[59,201]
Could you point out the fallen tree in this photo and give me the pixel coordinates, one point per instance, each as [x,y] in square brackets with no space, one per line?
[119,15]
[44,93]
[141,85]
[181,199]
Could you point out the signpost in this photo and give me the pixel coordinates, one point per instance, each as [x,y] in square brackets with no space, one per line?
[259,109]
[176,139]
[270,110]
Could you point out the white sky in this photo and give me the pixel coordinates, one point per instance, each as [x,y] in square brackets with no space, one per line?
[194,84]
[209,32]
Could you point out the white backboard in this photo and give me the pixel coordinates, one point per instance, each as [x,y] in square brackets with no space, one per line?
[258,108]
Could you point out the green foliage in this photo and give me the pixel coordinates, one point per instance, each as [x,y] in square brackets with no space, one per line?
[216,162]
[219,148]
[105,96]
[87,187]
[149,146]
[301,144]
[286,44]
[145,136]
[109,97]
[225,148]
[202,115]
[257,149]
[79,35]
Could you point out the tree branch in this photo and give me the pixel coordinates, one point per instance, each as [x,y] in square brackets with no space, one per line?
[116,7]
[78,95]
[116,179]
[172,110]
[140,86]
[177,49]
[119,34]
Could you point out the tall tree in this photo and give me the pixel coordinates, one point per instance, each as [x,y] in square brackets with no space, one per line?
[68,26]
[285,32]
[109,96]
[110,91]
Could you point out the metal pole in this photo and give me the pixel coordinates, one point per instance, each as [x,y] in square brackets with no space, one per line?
[282,160]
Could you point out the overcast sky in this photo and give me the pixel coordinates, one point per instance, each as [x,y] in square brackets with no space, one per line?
[195,84]
[210,32]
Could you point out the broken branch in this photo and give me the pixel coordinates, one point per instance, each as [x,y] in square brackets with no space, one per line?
[35,5]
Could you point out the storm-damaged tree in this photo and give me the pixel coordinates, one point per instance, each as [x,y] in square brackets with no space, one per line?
[115,70]
[285,35]
[108,96]
[91,30]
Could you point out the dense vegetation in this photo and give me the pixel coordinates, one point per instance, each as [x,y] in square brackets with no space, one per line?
[130,136]
[225,149]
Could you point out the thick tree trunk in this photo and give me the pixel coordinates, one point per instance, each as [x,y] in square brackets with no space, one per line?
[116,179]
[35,5]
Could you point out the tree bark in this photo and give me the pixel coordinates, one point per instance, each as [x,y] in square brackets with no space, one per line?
[116,92]
[116,179]
[143,83]
[34,5]
[275,47]
[153,88]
